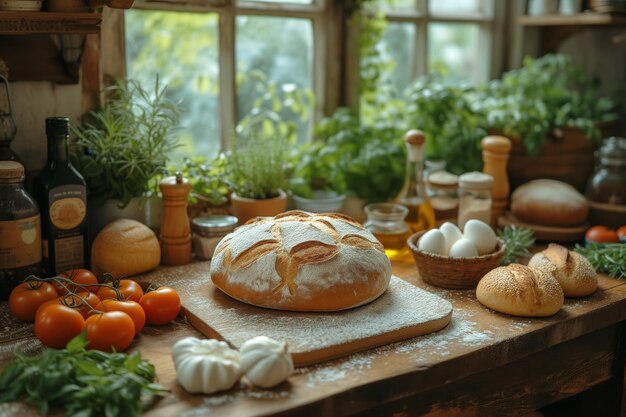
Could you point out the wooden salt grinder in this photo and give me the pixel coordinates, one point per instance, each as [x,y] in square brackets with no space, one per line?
[496,150]
[175,233]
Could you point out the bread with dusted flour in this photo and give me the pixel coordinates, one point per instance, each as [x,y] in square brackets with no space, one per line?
[572,270]
[520,291]
[301,262]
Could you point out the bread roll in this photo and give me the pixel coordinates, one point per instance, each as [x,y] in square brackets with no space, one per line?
[549,203]
[124,248]
[301,262]
[572,270]
[520,291]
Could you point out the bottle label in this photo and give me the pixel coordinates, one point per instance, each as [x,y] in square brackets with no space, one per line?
[68,210]
[20,242]
[68,206]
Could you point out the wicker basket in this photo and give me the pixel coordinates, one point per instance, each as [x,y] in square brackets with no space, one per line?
[459,273]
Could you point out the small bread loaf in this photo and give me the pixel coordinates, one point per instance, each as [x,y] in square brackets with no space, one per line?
[572,270]
[301,262]
[520,291]
[124,248]
[549,203]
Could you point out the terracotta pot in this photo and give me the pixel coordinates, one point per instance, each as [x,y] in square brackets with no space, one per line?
[247,208]
[568,158]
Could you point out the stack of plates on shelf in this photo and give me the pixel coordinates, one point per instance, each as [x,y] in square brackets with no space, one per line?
[20,5]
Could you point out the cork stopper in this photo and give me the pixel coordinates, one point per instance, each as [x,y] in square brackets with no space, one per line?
[497,144]
[414,137]
[11,170]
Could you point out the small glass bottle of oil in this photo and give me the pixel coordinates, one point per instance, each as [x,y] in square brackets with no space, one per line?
[386,222]
[421,215]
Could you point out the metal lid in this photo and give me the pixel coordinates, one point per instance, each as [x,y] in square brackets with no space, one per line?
[57,126]
[11,170]
[613,152]
[476,180]
[214,224]
[443,179]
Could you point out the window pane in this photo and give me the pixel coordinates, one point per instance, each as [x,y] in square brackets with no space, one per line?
[453,49]
[281,1]
[274,66]
[183,49]
[398,47]
[454,6]
[399,4]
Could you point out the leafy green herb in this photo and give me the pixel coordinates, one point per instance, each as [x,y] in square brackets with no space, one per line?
[209,179]
[609,258]
[518,240]
[84,382]
[125,146]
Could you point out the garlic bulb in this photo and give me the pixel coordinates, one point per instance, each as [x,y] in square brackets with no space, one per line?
[265,362]
[205,366]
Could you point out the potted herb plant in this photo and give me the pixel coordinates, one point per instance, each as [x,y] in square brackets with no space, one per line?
[317,182]
[210,186]
[122,149]
[258,157]
[371,158]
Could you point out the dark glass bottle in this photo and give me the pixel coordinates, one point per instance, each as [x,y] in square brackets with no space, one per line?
[61,193]
[20,231]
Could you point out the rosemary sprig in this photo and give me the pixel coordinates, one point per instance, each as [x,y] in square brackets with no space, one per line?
[518,240]
[609,258]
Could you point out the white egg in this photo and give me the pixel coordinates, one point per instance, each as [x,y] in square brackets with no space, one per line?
[433,241]
[481,235]
[451,233]
[463,248]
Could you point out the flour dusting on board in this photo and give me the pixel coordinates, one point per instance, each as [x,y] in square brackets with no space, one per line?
[401,309]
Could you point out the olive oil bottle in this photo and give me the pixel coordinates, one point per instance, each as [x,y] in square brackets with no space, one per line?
[61,193]
[413,193]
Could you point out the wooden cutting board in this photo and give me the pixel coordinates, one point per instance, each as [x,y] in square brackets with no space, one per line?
[402,312]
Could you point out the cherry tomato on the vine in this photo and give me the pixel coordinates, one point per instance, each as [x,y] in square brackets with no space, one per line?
[129,289]
[85,279]
[110,330]
[76,302]
[621,232]
[132,308]
[56,324]
[161,305]
[26,298]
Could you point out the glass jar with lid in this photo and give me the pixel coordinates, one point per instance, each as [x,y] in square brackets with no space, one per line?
[474,197]
[606,190]
[608,183]
[443,190]
[386,222]
[20,229]
[208,231]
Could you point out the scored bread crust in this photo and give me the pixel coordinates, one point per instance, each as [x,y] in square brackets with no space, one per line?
[549,203]
[301,262]
[520,291]
[573,271]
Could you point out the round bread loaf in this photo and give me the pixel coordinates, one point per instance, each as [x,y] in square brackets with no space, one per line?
[301,262]
[124,248]
[520,291]
[549,203]
[572,270]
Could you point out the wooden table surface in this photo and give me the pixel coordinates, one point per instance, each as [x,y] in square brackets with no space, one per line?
[483,364]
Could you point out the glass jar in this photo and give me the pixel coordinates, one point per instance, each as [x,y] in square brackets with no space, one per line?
[20,229]
[386,222]
[474,197]
[443,190]
[208,231]
[608,183]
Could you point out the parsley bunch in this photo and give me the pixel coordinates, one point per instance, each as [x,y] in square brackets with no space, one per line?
[84,382]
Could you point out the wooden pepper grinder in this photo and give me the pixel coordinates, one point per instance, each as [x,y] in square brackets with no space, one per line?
[496,150]
[175,233]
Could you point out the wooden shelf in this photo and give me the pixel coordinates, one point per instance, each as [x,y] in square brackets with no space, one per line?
[581,19]
[29,23]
